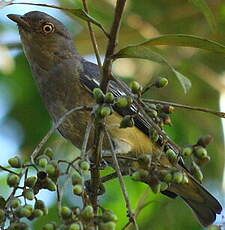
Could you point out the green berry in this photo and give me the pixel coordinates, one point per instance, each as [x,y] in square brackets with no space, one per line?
[185,179]
[122,102]
[200,152]
[161,82]
[15,203]
[77,189]
[105,111]
[39,204]
[76,178]
[107,226]
[28,194]
[31,181]
[127,122]
[136,88]
[49,226]
[42,162]
[196,171]
[15,162]
[38,213]
[98,95]
[50,185]
[66,212]
[51,169]
[154,136]
[74,226]
[49,152]
[187,151]
[167,109]
[178,177]
[88,212]
[25,212]
[171,155]
[84,165]
[109,216]
[109,98]
[168,177]
[13,180]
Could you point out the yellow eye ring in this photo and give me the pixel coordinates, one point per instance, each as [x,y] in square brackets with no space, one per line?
[48,28]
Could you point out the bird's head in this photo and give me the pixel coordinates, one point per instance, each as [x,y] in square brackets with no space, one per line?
[43,37]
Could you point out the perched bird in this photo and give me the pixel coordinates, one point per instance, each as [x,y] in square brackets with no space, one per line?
[66,80]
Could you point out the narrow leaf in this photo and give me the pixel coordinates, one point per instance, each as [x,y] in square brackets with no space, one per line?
[185,41]
[202,6]
[147,53]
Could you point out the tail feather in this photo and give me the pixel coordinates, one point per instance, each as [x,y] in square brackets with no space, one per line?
[204,205]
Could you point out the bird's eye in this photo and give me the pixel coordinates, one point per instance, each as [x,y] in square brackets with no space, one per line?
[48,28]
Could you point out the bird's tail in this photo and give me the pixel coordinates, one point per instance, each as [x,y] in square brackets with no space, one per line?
[204,205]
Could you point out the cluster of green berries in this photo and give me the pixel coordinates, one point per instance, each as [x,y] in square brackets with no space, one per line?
[74,218]
[198,155]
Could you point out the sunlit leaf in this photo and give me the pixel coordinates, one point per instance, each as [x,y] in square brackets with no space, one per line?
[144,52]
[204,8]
[185,41]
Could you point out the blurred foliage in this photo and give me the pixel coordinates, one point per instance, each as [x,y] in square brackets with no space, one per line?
[143,20]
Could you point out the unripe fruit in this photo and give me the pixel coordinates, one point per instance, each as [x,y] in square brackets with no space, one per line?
[39,204]
[77,189]
[161,82]
[13,180]
[31,181]
[15,203]
[163,186]
[178,177]
[98,95]
[50,185]
[109,98]
[187,151]
[105,111]
[167,109]
[76,178]
[136,88]
[196,171]
[49,152]
[127,122]
[156,188]
[122,102]
[200,152]
[51,170]
[42,162]
[74,226]
[185,179]
[49,226]
[107,226]
[87,212]
[15,162]
[38,213]
[154,136]
[84,165]
[25,212]
[109,216]
[66,212]
[168,177]
[28,194]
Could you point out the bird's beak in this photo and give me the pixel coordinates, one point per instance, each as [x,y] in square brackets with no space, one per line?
[19,20]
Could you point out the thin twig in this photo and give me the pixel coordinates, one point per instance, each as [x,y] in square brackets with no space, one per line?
[206,110]
[122,184]
[86,137]
[107,66]
[53,129]
[8,170]
[93,38]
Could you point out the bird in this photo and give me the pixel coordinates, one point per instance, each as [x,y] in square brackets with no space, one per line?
[66,80]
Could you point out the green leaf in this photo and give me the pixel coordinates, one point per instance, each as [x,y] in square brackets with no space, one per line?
[184,40]
[204,8]
[144,52]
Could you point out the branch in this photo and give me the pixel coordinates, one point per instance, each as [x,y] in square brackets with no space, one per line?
[53,129]
[123,187]
[93,38]
[107,66]
[206,110]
